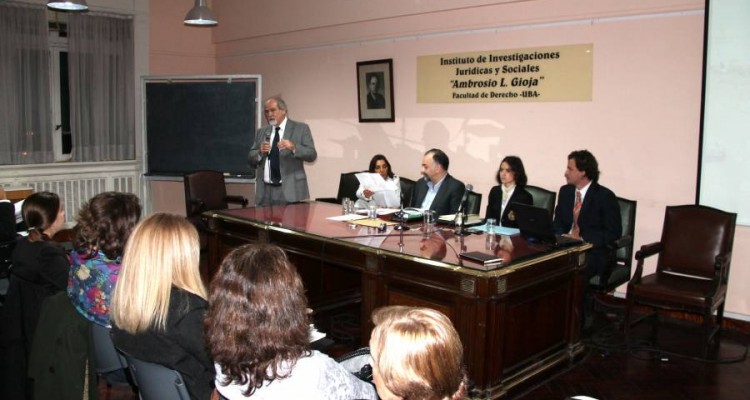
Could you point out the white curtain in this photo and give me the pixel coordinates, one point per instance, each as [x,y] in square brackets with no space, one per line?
[100,55]
[25,111]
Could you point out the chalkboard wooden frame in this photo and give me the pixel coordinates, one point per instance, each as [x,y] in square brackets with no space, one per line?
[199,122]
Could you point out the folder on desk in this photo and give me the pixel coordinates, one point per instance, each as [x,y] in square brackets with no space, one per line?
[482,258]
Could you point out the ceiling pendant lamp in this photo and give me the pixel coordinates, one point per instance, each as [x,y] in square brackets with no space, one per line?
[69,5]
[200,15]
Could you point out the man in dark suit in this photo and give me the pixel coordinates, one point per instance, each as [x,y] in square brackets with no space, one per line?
[278,154]
[438,190]
[588,210]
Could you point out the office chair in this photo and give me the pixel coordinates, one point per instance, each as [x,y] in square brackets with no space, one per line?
[692,270]
[622,252]
[348,185]
[620,265]
[155,381]
[106,357]
[542,198]
[473,203]
[205,191]
[407,190]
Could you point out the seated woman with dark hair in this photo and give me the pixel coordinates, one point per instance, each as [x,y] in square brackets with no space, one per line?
[257,330]
[40,269]
[416,354]
[511,177]
[159,301]
[103,226]
[380,165]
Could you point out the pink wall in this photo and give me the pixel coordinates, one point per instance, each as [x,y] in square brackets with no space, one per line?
[175,48]
[642,124]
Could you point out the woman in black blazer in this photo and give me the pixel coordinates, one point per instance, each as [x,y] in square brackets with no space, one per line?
[511,177]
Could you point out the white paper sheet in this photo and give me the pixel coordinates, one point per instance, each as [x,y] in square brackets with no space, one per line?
[385,190]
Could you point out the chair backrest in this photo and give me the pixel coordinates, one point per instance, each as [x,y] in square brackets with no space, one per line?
[204,191]
[692,237]
[407,190]
[622,261]
[157,382]
[348,185]
[106,357]
[624,255]
[542,198]
[473,202]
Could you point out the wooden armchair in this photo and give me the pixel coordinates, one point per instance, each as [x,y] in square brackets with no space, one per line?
[692,270]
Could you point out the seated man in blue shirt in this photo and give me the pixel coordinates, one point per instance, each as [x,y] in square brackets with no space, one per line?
[438,190]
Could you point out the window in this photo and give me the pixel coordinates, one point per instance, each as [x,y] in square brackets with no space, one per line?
[59,91]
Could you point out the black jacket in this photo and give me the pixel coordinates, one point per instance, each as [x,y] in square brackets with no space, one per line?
[495,204]
[447,199]
[180,347]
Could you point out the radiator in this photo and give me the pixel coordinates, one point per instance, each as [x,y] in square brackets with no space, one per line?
[75,191]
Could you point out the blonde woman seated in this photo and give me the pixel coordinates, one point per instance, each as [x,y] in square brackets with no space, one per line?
[159,301]
[380,165]
[257,330]
[416,355]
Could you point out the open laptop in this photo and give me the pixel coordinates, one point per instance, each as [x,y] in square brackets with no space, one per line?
[535,224]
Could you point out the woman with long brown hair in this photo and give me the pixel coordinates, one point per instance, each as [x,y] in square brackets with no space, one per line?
[257,329]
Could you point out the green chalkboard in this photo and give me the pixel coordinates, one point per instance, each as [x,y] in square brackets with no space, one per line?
[200,124]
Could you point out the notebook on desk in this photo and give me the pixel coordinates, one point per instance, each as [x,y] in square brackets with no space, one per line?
[535,224]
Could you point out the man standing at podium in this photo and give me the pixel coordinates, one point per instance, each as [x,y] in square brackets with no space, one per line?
[278,155]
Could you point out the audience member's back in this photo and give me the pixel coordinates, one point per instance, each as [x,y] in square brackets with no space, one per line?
[103,226]
[40,269]
[406,344]
[159,301]
[257,329]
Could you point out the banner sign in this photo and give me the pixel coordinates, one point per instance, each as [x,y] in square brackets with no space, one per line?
[561,73]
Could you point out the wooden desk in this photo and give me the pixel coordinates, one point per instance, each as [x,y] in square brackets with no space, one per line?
[17,193]
[519,321]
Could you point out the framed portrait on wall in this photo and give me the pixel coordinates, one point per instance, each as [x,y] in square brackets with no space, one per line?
[375,91]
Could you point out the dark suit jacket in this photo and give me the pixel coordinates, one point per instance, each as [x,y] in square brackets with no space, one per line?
[293,177]
[7,221]
[599,221]
[447,199]
[375,100]
[520,195]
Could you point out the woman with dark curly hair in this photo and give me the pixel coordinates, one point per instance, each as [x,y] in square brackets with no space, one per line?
[104,225]
[257,330]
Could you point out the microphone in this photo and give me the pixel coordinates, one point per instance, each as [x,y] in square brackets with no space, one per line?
[465,197]
[402,219]
[268,137]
